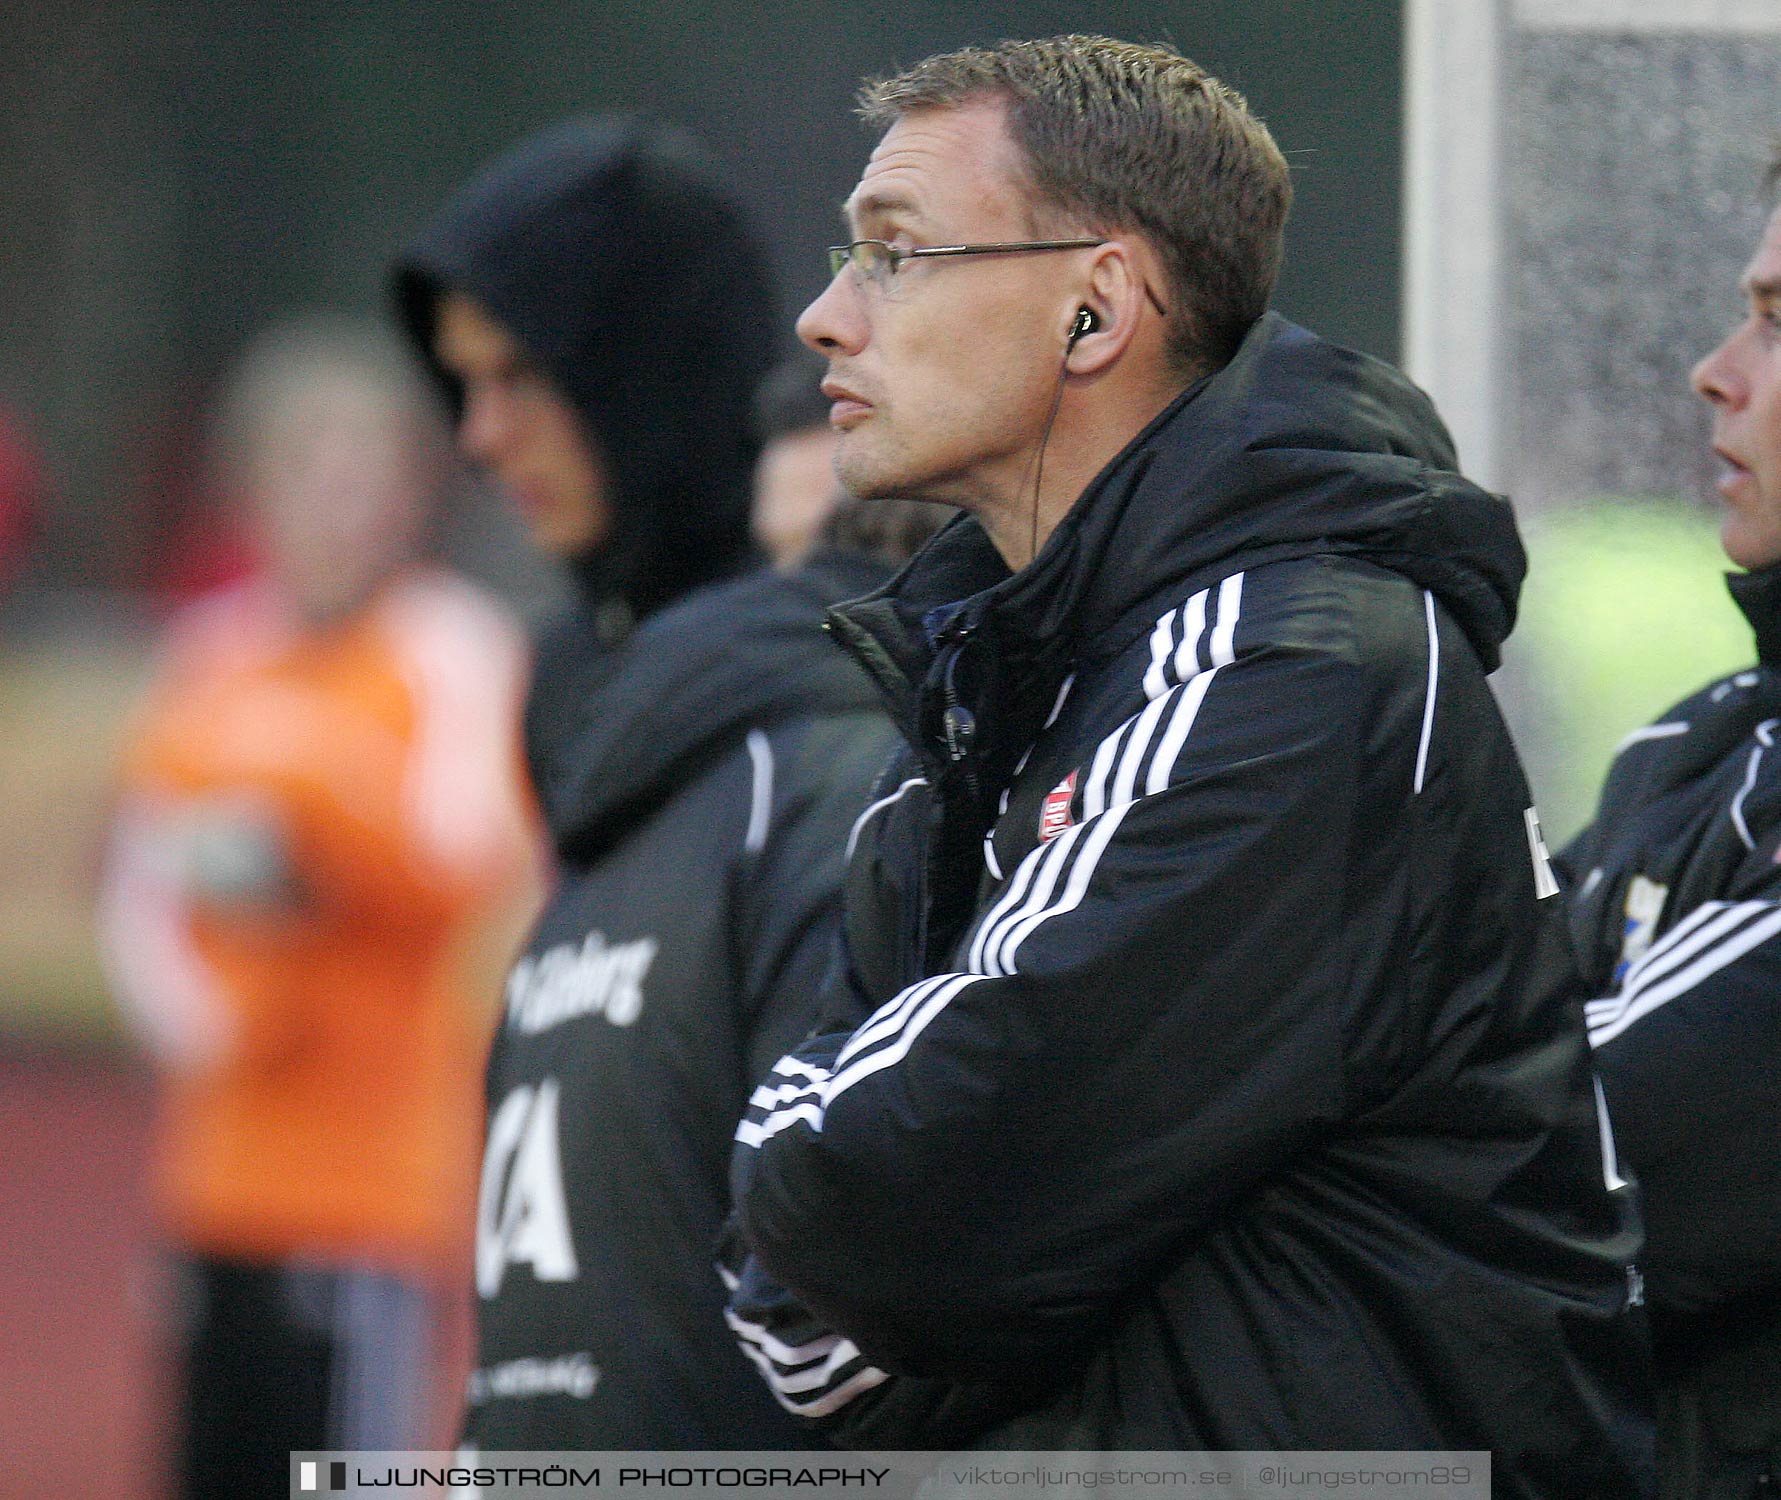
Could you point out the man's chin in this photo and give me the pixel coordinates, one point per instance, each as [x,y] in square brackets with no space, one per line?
[865,479]
[1750,548]
[869,475]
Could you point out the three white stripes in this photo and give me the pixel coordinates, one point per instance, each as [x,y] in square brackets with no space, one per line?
[1714,934]
[1051,880]
[1111,785]
[799,1374]
[1141,751]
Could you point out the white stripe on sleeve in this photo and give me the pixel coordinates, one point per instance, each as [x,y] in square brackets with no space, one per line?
[1053,878]
[760,806]
[811,1379]
[879,806]
[1428,707]
[1737,931]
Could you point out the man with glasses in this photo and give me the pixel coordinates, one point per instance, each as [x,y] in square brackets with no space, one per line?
[1186,1088]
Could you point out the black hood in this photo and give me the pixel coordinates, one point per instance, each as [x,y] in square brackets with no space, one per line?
[690,682]
[1297,446]
[612,251]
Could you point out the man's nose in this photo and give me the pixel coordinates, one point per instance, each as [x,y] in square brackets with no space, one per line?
[1715,379]
[833,323]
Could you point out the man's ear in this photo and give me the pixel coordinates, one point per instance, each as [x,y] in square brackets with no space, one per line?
[1107,319]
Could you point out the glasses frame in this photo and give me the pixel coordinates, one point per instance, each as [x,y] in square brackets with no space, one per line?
[842,256]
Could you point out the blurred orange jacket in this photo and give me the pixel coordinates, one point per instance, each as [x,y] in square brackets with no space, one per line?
[315,831]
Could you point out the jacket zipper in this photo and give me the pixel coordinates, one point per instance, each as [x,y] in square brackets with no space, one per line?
[958,724]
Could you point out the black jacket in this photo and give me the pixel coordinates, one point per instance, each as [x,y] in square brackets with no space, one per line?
[1193,1091]
[700,839]
[699,753]
[1675,898]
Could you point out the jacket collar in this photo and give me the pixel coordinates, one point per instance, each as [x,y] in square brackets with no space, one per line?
[1296,446]
[684,688]
[1758,594]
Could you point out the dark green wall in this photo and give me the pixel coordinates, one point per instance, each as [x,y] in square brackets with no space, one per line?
[178,174]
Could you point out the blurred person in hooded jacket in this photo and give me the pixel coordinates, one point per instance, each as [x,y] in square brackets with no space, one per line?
[599,312]
[321,817]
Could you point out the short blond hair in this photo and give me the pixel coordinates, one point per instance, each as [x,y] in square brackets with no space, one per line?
[1122,136]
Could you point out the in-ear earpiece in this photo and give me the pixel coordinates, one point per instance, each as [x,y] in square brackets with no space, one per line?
[1086,322]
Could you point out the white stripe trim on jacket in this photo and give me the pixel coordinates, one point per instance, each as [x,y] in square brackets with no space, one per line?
[1682,962]
[1053,878]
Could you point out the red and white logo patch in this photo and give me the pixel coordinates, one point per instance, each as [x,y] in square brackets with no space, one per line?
[1054,812]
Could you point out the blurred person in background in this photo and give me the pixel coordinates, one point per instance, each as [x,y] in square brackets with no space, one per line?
[1675,901]
[799,504]
[21,499]
[320,812]
[599,312]
[795,489]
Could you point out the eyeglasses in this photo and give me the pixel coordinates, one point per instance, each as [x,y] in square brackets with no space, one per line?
[878,260]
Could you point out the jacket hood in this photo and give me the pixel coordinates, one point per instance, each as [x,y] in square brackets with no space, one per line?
[1297,446]
[612,251]
[690,682]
